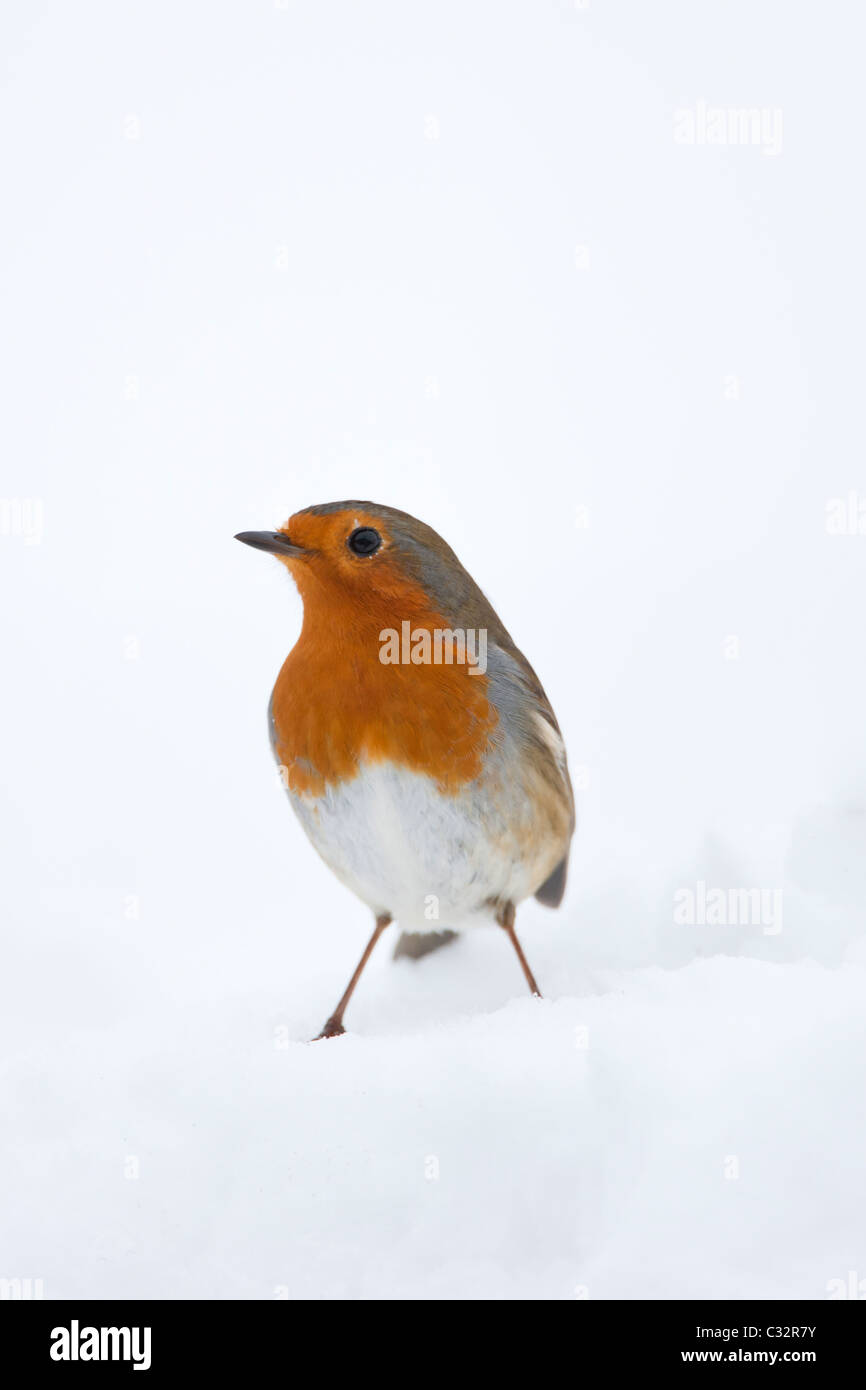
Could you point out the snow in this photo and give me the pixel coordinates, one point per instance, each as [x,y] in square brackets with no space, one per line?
[574,1147]
[331,261]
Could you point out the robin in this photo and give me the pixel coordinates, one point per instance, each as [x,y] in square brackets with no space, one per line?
[418,747]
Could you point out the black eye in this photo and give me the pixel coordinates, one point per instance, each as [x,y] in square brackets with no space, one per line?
[364,541]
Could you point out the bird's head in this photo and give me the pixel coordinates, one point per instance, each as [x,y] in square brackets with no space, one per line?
[363,555]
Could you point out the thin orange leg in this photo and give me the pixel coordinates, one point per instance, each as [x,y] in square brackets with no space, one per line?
[334,1026]
[505,918]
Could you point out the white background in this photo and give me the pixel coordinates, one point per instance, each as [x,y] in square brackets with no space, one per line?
[449,257]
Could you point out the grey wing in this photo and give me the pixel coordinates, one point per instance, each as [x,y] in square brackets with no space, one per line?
[521,699]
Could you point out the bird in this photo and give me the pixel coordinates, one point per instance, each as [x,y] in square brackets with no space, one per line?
[416,743]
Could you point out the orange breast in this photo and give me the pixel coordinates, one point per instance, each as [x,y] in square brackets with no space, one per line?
[335,703]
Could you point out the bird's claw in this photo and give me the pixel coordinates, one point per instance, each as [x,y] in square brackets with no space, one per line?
[332,1029]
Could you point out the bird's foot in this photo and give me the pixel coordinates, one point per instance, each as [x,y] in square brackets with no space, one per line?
[332,1029]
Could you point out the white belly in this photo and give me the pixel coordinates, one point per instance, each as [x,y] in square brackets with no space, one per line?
[427,859]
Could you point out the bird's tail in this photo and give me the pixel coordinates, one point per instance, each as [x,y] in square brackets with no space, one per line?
[415,944]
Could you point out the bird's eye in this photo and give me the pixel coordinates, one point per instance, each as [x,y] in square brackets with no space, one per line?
[364,541]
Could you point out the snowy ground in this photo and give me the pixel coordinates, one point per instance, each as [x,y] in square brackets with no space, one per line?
[452,258]
[652,1132]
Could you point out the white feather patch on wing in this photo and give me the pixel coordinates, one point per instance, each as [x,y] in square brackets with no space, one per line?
[552,738]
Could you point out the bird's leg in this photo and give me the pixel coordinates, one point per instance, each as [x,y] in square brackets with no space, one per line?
[505,918]
[334,1026]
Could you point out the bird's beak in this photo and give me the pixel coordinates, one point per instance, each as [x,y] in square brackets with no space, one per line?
[272,541]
